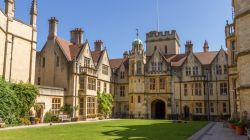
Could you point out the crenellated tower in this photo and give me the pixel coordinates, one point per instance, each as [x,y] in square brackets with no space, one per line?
[167,42]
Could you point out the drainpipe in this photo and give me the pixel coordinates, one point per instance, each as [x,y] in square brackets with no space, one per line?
[76,71]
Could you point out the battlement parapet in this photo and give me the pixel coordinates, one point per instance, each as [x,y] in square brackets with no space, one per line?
[162,35]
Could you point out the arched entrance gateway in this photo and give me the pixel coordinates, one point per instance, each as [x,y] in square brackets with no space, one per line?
[158,109]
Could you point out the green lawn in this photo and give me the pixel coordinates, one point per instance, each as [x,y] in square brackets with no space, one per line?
[108,130]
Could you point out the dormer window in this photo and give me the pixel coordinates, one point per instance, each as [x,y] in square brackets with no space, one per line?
[195,71]
[122,75]
[86,62]
[188,71]
[154,66]
[218,69]
[105,69]
[160,66]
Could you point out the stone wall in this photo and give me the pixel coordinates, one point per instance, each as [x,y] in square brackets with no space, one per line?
[46,94]
[17,55]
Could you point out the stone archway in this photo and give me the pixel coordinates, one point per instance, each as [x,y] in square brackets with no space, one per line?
[158,109]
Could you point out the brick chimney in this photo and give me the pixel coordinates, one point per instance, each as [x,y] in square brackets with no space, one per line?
[76,36]
[188,47]
[53,27]
[98,45]
[206,46]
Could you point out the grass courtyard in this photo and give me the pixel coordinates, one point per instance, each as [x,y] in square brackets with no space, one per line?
[108,130]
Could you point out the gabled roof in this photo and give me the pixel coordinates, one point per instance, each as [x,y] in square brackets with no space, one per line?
[206,58]
[70,51]
[176,60]
[96,55]
[116,63]
[155,51]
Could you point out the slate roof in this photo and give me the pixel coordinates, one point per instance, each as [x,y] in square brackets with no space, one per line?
[206,58]
[96,55]
[116,63]
[70,51]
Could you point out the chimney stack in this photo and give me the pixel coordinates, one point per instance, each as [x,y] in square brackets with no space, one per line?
[188,47]
[76,36]
[53,22]
[206,47]
[98,45]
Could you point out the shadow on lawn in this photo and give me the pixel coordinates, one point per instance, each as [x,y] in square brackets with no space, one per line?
[141,132]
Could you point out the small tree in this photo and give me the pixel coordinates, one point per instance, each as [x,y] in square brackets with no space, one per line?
[9,109]
[105,103]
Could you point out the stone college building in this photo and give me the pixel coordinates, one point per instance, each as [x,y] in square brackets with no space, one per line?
[157,82]
[152,80]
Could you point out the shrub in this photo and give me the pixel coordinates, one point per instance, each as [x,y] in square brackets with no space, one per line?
[55,119]
[25,121]
[241,124]
[37,120]
[68,109]
[50,117]
[233,121]
[47,117]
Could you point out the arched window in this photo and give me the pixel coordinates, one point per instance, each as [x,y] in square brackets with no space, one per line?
[233,45]
[139,69]
[132,68]
[233,52]
[166,49]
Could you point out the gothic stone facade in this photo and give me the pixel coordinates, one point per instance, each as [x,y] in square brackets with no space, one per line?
[162,83]
[237,40]
[17,45]
[68,72]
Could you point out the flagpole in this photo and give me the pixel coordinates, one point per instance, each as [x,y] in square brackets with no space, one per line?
[158,17]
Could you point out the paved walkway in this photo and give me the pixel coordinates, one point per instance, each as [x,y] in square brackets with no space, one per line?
[54,124]
[216,131]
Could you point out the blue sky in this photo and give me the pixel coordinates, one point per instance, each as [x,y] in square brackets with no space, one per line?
[115,21]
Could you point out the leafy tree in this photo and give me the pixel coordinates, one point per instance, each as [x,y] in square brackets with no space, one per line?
[16,101]
[105,103]
[9,109]
[26,93]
